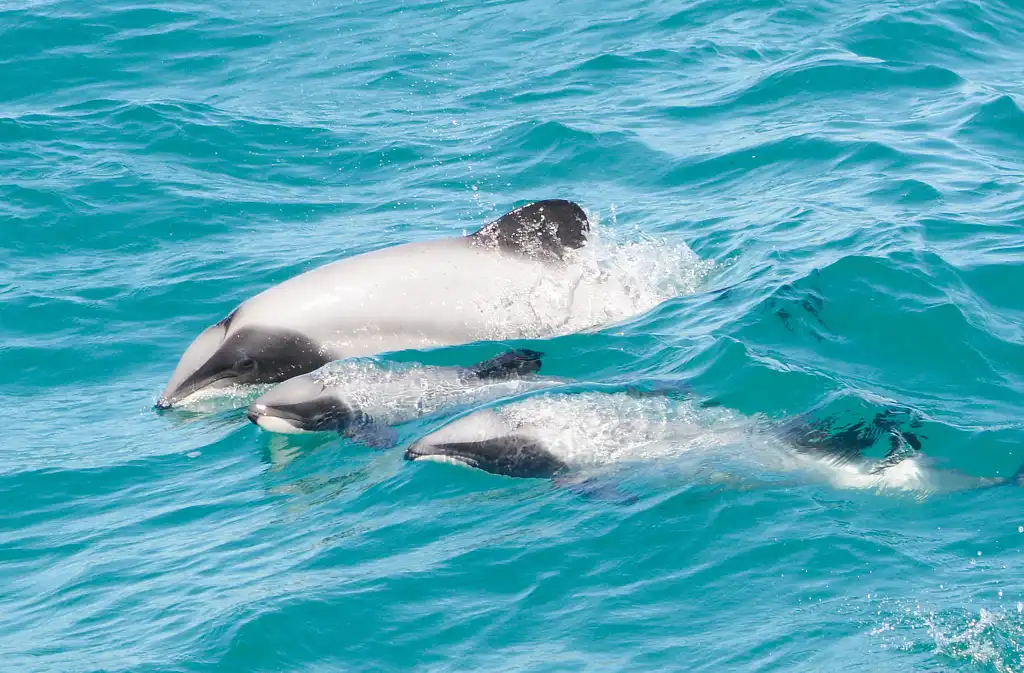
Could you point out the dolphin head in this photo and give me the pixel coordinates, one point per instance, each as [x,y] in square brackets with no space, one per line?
[486,441]
[302,404]
[221,358]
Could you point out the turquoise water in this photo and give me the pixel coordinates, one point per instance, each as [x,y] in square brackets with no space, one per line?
[850,175]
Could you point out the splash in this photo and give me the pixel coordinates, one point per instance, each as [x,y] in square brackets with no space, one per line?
[622,275]
[991,638]
[217,400]
[396,392]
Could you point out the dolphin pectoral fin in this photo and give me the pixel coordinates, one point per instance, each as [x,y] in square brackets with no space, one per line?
[372,434]
[508,365]
[545,228]
[594,488]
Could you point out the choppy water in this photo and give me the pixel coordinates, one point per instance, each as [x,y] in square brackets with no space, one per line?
[849,175]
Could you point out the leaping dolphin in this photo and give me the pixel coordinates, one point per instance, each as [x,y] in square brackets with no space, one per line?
[514,278]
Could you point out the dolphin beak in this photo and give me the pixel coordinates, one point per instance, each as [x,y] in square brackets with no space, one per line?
[193,384]
[194,371]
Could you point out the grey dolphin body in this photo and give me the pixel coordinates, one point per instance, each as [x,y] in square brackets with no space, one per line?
[556,435]
[349,395]
[514,278]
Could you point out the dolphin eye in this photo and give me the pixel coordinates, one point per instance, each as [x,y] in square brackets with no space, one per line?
[245,365]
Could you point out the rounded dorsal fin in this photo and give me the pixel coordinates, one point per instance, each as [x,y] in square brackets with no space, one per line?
[544,228]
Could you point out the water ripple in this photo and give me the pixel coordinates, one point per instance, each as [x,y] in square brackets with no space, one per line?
[850,175]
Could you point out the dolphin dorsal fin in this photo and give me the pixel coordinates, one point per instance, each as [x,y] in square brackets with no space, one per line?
[902,445]
[545,228]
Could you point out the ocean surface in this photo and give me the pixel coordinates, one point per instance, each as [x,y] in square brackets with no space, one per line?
[818,203]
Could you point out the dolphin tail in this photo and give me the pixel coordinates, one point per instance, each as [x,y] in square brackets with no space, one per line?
[1017,479]
[508,365]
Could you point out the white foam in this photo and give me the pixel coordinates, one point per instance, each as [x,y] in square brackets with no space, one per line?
[213,400]
[393,393]
[617,276]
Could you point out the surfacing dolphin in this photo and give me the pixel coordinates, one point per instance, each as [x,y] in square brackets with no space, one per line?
[514,278]
[554,435]
[356,397]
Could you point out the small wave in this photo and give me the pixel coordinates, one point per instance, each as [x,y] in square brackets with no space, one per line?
[915,35]
[779,156]
[999,123]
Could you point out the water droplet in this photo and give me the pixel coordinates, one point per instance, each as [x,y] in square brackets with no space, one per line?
[979,553]
[1000,593]
[1020,529]
[194,454]
[1020,606]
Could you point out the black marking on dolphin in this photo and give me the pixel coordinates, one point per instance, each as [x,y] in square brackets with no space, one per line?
[514,363]
[253,355]
[509,455]
[850,442]
[545,228]
[319,414]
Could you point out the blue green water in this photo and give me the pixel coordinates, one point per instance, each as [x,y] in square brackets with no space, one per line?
[851,172]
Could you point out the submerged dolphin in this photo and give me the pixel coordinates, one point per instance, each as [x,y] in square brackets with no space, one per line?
[552,435]
[514,278]
[350,395]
